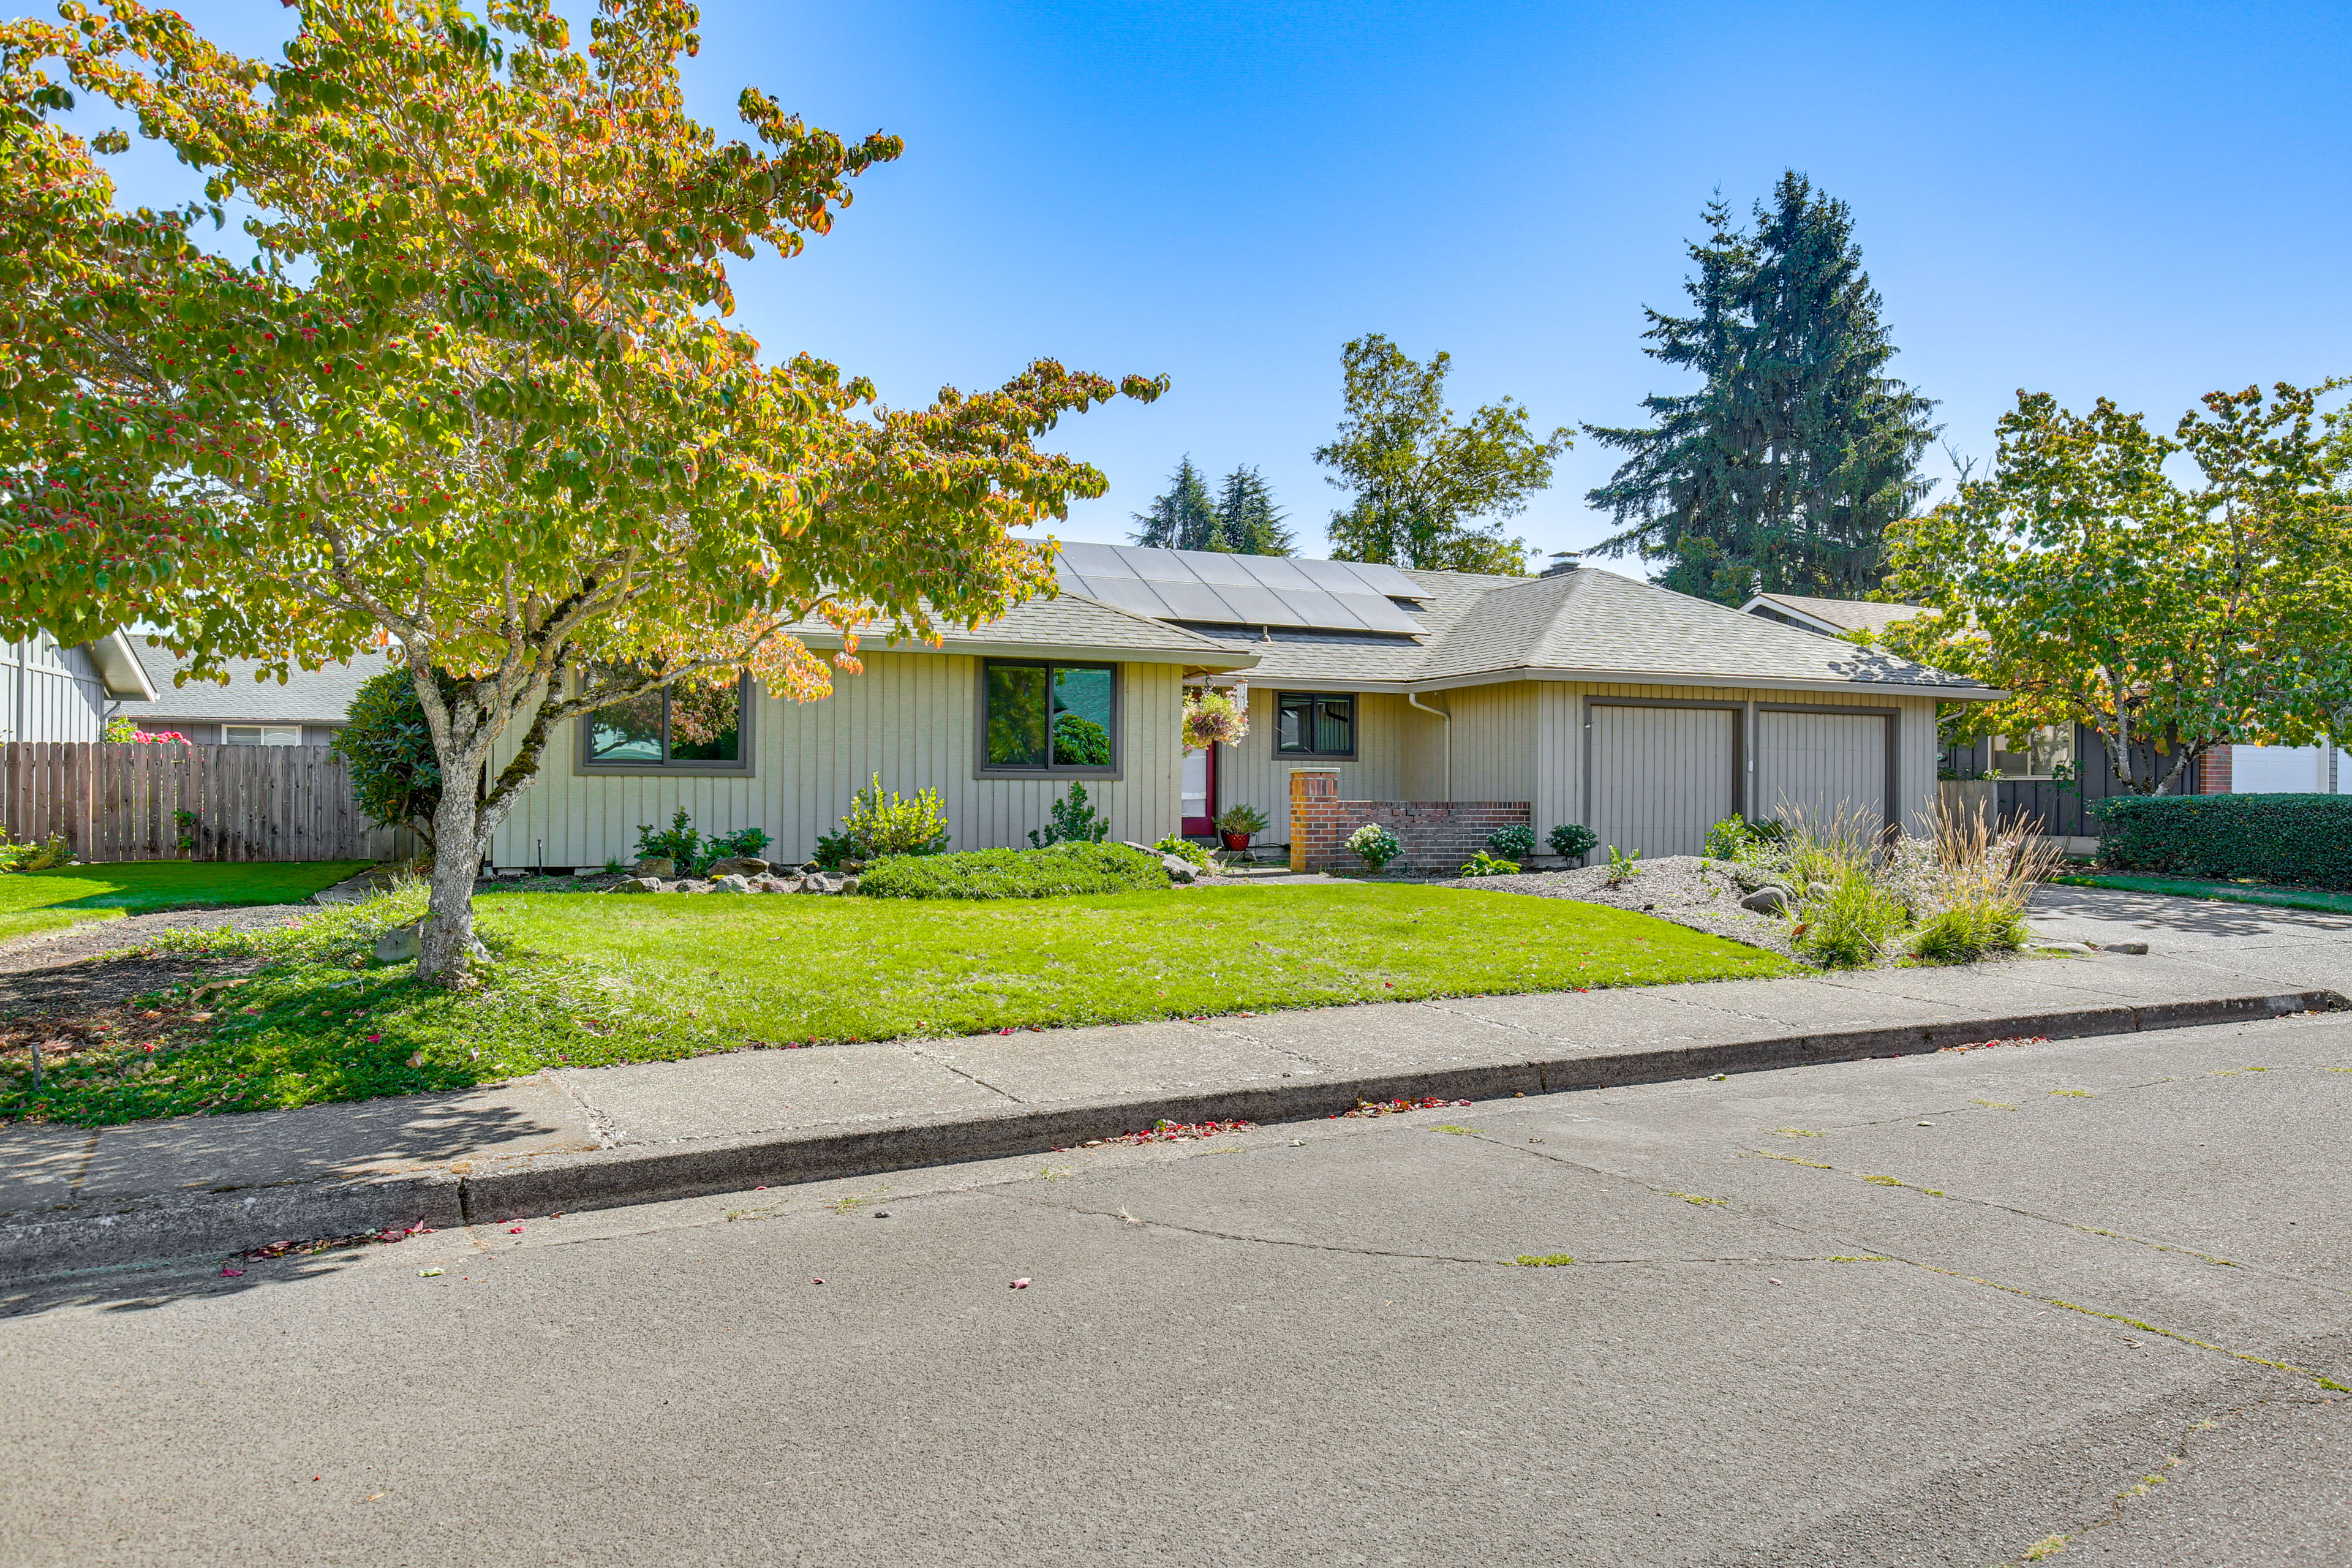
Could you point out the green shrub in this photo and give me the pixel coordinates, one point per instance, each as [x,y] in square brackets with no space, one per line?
[395,772]
[1374,845]
[1185,849]
[1065,868]
[2297,840]
[690,852]
[1727,838]
[1247,819]
[1072,821]
[1850,925]
[1573,840]
[894,824]
[1516,842]
[1622,868]
[1485,865]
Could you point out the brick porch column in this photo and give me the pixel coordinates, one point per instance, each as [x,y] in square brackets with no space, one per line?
[1314,817]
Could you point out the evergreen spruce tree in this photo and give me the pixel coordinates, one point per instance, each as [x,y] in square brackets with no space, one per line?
[1782,470]
[1251,522]
[1182,517]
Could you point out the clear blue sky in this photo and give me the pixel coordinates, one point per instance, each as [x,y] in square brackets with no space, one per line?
[2145,200]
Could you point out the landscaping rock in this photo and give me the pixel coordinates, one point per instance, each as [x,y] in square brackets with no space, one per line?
[2131,947]
[818,882]
[739,866]
[689,885]
[1768,900]
[850,884]
[401,943]
[637,885]
[657,866]
[2078,947]
[730,884]
[1818,890]
[1179,869]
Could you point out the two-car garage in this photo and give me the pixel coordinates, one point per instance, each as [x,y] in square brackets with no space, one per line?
[1659,772]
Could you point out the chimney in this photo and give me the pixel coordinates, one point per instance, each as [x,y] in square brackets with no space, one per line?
[1563,562]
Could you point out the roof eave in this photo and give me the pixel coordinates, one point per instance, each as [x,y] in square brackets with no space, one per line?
[1205,655]
[119,670]
[1736,682]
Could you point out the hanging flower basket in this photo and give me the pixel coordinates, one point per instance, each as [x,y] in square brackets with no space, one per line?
[1214,718]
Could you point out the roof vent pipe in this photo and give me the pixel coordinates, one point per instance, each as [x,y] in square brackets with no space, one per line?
[1563,562]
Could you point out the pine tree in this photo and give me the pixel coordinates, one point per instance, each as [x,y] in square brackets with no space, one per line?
[1181,517]
[1781,472]
[1250,523]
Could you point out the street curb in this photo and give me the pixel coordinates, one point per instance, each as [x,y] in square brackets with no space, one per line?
[132,1230]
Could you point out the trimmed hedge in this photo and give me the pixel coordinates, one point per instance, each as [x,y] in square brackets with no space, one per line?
[2296,840]
[1066,867]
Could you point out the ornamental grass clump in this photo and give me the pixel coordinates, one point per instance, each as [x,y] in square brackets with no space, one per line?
[1975,885]
[1849,913]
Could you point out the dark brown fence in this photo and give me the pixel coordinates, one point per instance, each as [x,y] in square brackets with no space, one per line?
[136,801]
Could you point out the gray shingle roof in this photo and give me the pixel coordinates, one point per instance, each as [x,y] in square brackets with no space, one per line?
[1071,620]
[308,697]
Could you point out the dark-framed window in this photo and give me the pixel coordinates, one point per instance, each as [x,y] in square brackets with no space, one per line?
[1314,724]
[700,730]
[1038,716]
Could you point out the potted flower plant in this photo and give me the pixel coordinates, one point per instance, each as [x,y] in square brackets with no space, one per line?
[1237,825]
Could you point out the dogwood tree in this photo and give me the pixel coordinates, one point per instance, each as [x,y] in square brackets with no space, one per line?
[2169,618]
[470,390]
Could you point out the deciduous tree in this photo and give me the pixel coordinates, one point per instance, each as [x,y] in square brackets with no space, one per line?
[1420,479]
[2168,617]
[474,393]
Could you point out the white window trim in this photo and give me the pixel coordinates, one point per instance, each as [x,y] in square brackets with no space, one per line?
[2000,746]
[263,735]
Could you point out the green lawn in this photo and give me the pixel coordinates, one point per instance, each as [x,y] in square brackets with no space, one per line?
[2197,888]
[43,901]
[588,979]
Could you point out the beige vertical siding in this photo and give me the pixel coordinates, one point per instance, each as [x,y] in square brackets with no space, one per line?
[1494,740]
[1661,775]
[49,692]
[909,717]
[1251,773]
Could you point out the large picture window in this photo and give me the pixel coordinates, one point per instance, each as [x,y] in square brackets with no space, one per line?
[1049,717]
[695,730]
[1314,724]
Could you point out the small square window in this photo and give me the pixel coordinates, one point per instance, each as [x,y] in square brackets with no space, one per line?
[699,729]
[261,735]
[2036,755]
[1049,717]
[1315,724]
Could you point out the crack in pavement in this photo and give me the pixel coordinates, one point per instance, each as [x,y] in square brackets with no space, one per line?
[974,1078]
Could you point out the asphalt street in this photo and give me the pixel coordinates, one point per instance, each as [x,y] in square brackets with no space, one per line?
[2079,1302]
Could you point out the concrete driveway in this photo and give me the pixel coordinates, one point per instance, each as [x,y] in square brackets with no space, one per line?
[1940,1311]
[2289,947]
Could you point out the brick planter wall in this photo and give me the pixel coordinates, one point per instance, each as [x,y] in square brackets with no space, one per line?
[1438,835]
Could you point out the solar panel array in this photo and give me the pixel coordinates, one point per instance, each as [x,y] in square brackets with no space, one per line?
[1241,590]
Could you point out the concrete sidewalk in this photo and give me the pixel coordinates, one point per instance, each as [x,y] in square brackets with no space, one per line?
[576,1139]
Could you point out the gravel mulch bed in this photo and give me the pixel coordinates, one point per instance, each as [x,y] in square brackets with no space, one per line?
[99,964]
[1685,889]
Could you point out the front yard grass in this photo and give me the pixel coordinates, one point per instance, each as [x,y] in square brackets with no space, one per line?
[43,901]
[587,980]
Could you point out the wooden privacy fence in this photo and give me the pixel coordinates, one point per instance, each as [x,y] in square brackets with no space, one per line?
[122,801]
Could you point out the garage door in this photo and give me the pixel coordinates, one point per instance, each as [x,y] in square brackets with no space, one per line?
[1660,777]
[1818,762]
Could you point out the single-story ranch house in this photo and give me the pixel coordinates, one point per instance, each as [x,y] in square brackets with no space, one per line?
[1577,695]
[306,708]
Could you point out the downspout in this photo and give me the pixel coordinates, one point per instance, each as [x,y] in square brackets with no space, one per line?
[1413,699]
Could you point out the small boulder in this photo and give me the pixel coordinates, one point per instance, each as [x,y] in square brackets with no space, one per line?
[1179,869]
[849,884]
[401,943]
[730,883]
[2130,947]
[1766,900]
[739,866]
[688,885]
[655,866]
[637,885]
[817,882]
[2074,947]
[1818,890]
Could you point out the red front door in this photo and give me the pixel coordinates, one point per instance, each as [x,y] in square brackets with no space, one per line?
[1200,793]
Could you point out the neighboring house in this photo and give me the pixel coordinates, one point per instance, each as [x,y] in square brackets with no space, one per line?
[1643,713]
[2279,770]
[306,710]
[61,692]
[2052,776]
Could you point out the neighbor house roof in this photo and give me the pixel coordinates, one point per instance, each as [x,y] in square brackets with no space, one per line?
[306,697]
[1830,617]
